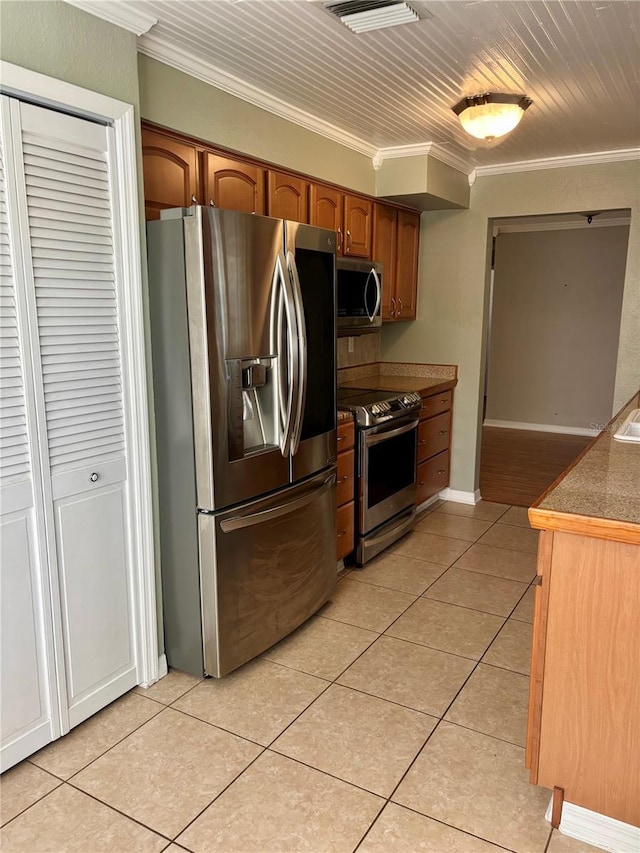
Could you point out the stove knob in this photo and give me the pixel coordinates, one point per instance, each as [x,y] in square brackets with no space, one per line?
[375,409]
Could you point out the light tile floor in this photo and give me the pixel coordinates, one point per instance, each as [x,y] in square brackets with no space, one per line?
[392,722]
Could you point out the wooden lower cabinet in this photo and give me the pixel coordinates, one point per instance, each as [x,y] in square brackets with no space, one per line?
[345,488]
[434,444]
[584,702]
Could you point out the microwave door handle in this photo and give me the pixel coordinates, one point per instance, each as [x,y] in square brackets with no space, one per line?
[301,350]
[366,293]
[376,278]
[288,370]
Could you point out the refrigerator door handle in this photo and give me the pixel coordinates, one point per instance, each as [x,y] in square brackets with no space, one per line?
[288,368]
[239,522]
[302,353]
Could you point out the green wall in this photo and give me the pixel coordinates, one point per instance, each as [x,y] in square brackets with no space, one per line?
[176,100]
[454,275]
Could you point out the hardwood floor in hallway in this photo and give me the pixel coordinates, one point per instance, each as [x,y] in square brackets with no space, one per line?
[517,465]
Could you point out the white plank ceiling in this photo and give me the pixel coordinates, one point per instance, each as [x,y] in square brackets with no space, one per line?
[578,61]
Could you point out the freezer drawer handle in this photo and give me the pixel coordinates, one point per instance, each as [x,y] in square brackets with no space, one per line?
[239,522]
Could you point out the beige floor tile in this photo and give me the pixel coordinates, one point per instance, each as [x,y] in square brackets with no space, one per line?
[507,536]
[280,806]
[412,675]
[322,647]
[501,562]
[366,606]
[427,546]
[484,510]
[524,610]
[171,687]
[257,701]
[478,784]
[168,771]
[517,515]
[70,821]
[563,844]
[494,701]
[85,742]
[358,738]
[455,526]
[477,591]
[399,830]
[397,572]
[21,787]
[447,627]
[511,649]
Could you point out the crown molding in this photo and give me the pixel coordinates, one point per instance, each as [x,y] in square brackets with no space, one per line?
[119,13]
[563,225]
[160,49]
[596,157]
[432,149]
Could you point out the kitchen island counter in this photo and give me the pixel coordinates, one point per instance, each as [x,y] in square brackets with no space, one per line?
[599,494]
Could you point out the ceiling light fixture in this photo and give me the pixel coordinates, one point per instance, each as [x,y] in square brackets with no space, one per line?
[491,115]
[364,15]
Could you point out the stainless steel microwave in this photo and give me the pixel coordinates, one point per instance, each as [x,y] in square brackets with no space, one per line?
[359,285]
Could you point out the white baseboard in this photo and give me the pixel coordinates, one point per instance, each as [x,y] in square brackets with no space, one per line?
[459,497]
[597,829]
[426,504]
[565,430]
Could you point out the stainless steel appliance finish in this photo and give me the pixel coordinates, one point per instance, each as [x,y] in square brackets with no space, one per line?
[386,448]
[359,296]
[243,334]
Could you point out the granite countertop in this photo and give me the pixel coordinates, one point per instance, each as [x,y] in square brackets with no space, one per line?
[603,486]
[400,376]
[344,415]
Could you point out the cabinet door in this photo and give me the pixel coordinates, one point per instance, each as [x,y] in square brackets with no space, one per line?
[74,299]
[233,184]
[358,219]
[385,221]
[407,264]
[287,197]
[433,476]
[170,170]
[27,686]
[325,210]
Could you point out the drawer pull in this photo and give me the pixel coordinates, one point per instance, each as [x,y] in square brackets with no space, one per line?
[442,471]
[345,478]
[445,400]
[443,432]
[94,477]
[341,438]
[342,533]
[423,441]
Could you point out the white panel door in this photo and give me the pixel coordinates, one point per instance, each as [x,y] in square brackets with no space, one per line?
[27,685]
[68,226]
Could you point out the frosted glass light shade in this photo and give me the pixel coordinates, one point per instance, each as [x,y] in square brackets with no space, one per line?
[491,115]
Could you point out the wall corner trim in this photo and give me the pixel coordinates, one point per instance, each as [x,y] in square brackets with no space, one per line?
[594,158]
[597,829]
[118,13]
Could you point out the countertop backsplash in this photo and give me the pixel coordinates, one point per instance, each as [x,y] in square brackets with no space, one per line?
[366,350]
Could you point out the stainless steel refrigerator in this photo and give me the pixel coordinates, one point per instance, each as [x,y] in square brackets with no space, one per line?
[243,326]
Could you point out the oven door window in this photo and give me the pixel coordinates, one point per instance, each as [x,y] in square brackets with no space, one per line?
[391,467]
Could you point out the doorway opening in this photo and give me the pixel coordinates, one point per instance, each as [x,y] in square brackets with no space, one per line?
[555,305]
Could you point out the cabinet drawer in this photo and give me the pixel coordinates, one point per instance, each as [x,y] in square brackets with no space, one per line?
[345,530]
[433,476]
[345,435]
[345,477]
[435,404]
[433,436]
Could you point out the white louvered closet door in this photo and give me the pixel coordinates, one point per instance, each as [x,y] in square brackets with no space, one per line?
[65,185]
[27,690]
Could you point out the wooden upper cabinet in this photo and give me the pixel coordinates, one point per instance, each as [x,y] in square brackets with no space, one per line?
[325,209]
[385,223]
[287,197]
[170,169]
[408,242]
[358,219]
[233,184]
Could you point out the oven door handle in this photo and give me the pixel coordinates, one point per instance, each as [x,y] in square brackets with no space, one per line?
[371,440]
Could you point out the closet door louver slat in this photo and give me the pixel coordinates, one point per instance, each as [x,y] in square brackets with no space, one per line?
[68,204]
[14,441]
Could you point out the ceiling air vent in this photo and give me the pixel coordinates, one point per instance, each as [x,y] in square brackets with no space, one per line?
[363,15]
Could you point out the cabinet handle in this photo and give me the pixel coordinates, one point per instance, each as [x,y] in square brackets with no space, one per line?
[423,441]
[349,240]
[212,203]
[340,239]
[393,306]
[400,306]
[443,432]
[94,477]
[346,477]
[342,533]
[442,471]
[340,438]
[445,400]
[194,200]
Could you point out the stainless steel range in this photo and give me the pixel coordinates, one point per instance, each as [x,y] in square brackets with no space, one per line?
[386,442]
